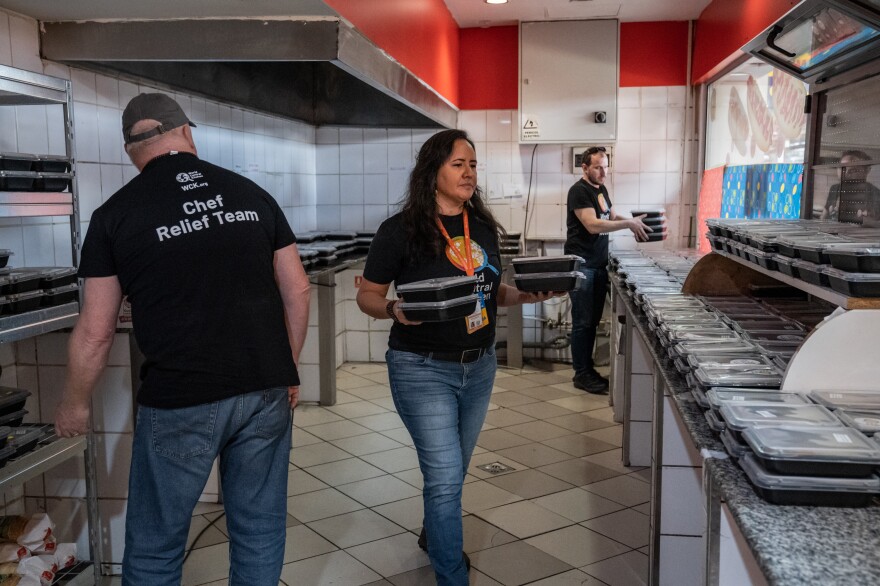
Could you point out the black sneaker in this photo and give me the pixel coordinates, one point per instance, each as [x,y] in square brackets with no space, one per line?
[591,382]
[423,543]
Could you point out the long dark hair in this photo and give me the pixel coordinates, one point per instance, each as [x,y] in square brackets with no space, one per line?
[423,239]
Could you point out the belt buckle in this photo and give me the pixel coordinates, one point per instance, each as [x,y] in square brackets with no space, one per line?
[477,351]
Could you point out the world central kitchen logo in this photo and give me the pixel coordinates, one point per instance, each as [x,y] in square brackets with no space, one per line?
[189,179]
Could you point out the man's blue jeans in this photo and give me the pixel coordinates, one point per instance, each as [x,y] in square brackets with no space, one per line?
[443,405]
[172,456]
[587,303]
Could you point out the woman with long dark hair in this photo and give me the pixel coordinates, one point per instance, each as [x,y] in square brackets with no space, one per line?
[441,373]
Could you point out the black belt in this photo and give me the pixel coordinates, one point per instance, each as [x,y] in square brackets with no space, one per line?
[463,356]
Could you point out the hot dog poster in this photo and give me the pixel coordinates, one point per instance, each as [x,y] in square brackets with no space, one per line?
[764,115]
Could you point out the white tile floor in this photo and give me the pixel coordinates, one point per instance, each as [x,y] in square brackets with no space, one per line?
[568,513]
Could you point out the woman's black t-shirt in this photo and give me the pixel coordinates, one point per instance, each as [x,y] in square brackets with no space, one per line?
[193,246]
[387,262]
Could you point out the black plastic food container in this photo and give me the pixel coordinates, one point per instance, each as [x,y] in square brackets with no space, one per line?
[5,253]
[440,310]
[51,278]
[784,265]
[18,180]
[548,281]
[60,295]
[765,259]
[52,164]
[17,162]
[811,272]
[781,489]
[20,281]
[649,213]
[546,264]
[736,449]
[433,290]
[659,221]
[814,451]
[12,399]
[24,438]
[656,236]
[53,182]
[854,284]
[13,419]
[22,302]
[855,259]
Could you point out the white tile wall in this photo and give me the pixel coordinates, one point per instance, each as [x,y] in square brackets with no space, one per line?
[323,178]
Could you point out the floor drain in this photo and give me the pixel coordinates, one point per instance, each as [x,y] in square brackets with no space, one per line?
[495,468]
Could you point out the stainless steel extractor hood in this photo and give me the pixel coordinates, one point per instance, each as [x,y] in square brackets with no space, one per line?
[318,70]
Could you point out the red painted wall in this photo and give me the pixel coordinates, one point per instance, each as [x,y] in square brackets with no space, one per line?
[489,69]
[653,53]
[420,34]
[725,26]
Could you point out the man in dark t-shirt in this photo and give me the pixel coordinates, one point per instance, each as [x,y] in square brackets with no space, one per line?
[589,219]
[219,304]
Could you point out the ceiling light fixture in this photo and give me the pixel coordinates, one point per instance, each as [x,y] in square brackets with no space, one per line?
[496,1]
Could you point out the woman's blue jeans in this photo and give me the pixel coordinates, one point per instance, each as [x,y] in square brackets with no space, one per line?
[172,456]
[443,405]
[587,303]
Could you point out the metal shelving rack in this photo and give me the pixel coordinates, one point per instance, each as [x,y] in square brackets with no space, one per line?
[22,88]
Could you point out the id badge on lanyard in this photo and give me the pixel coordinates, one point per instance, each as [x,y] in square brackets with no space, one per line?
[480,317]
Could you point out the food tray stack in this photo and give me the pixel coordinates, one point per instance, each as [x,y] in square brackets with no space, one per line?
[547,273]
[441,299]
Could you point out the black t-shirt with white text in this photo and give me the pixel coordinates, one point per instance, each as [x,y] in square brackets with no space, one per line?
[592,247]
[193,245]
[387,262]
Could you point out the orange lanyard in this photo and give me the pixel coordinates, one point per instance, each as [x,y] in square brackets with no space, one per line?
[468,261]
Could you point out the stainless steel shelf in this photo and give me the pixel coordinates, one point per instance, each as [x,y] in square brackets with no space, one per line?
[20,87]
[34,203]
[42,459]
[825,293]
[41,321]
[81,574]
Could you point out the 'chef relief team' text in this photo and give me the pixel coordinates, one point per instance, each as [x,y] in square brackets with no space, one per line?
[212,214]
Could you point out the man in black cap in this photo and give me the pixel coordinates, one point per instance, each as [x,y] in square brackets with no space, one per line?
[219,304]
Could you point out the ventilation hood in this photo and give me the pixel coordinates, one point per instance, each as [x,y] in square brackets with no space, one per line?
[315,69]
[821,38]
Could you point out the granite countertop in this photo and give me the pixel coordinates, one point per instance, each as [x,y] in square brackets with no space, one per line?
[793,545]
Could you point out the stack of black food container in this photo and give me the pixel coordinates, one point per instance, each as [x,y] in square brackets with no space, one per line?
[547,273]
[17,439]
[801,448]
[321,250]
[441,299]
[656,221]
[28,289]
[841,256]
[510,245]
[28,173]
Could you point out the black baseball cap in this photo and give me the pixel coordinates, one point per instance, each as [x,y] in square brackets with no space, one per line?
[152,107]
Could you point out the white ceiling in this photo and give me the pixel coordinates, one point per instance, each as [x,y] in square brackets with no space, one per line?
[468,13]
[472,13]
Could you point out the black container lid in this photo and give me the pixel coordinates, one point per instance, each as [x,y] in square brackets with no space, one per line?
[437,284]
